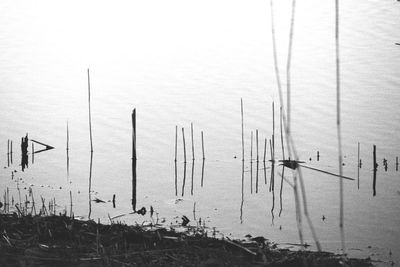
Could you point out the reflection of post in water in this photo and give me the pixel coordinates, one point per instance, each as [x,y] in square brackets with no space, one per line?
[33,153]
[358,165]
[90,184]
[70,203]
[273,206]
[251,163]
[283,158]
[134,159]
[184,178]
[272,182]
[67,151]
[375,169]
[241,203]
[257,161]
[175,160]
[204,158]
[24,152]
[265,153]
[11,152]
[202,172]
[8,152]
[191,187]
[176,178]
[280,192]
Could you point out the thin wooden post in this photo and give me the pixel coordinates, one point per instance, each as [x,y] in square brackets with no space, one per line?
[134,159]
[273,130]
[202,145]
[184,145]
[375,169]
[397,163]
[90,113]
[191,132]
[241,109]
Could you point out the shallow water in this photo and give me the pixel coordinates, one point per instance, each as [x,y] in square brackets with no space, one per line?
[181,62]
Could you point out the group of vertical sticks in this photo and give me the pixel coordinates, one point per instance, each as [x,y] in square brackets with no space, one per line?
[257,158]
[185,158]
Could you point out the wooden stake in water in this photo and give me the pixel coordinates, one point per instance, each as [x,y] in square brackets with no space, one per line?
[184,145]
[191,132]
[375,169]
[397,163]
[202,145]
[241,110]
[358,165]
[273,131]
[134,159]
[90,113]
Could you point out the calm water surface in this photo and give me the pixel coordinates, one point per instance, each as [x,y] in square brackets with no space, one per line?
[179,62]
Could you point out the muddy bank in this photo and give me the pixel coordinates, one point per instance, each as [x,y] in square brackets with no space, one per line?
[64,241]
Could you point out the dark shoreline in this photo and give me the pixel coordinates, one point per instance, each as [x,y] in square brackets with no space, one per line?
[64,241]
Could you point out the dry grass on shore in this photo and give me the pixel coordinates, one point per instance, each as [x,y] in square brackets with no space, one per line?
[64,241]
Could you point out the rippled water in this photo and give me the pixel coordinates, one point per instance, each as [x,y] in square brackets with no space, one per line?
[179,62]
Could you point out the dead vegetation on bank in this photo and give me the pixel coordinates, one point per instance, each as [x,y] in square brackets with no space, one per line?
[64,241]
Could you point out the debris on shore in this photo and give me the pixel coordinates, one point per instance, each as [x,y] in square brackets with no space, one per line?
[64,241]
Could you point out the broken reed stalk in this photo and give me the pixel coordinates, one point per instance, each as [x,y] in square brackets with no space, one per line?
[375,169]
[358,165]
[176,142]
[339,131]
[134,158]
[257,161]
[184,145]
[241,110]
[251,163]
[191,132]
[202,145]
[90,113]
